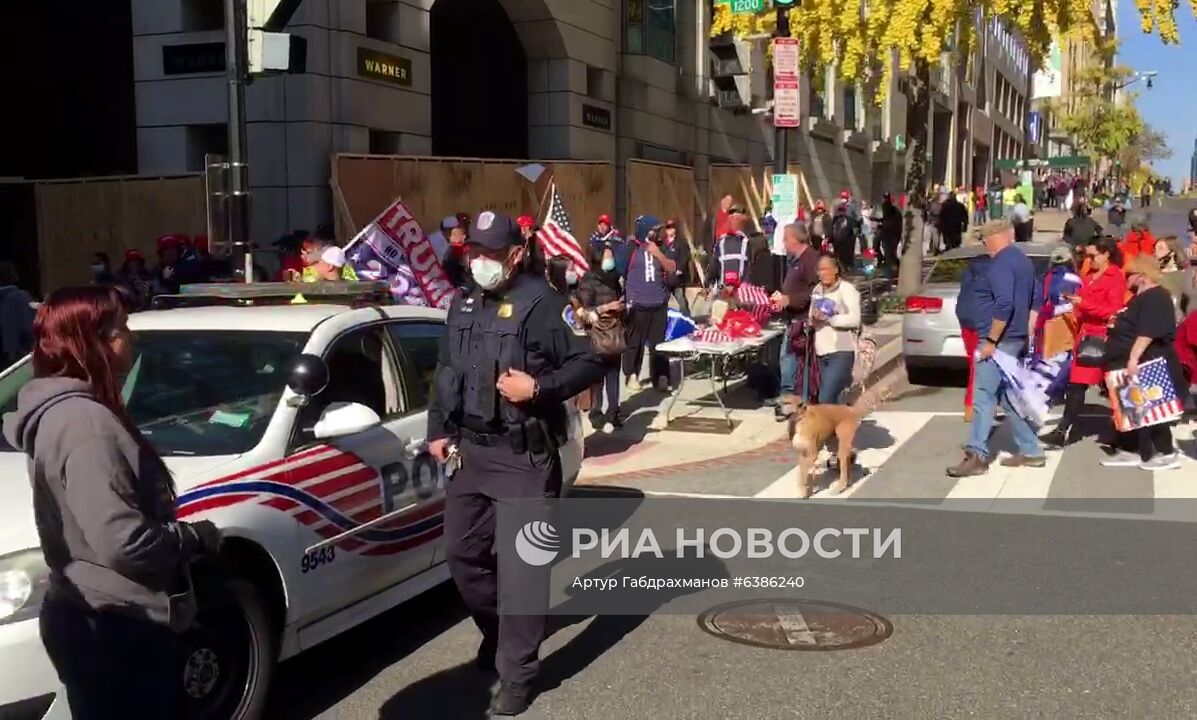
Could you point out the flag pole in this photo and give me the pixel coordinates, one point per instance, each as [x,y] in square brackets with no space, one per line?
[547,188]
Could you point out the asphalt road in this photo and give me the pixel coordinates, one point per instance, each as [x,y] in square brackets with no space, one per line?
[414,661]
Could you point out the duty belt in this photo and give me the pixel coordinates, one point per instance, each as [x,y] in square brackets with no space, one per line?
[533,435]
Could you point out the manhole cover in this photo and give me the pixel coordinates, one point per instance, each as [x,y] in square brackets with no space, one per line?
[786,624]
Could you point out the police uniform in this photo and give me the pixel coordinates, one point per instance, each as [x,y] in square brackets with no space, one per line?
[507,450]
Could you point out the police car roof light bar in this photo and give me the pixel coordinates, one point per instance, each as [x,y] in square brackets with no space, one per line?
[351,294]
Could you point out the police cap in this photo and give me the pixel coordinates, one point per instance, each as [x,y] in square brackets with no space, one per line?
[494,231]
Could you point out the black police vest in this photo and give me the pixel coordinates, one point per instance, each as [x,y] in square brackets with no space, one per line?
[487,338]
[733,258]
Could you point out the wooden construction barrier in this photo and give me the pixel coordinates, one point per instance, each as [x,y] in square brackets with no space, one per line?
[76,218]
[363,186]
[662,190]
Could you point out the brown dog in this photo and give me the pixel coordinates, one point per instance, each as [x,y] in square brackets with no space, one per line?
[811,426]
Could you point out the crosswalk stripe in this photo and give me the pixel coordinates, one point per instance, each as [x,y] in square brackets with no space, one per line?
[887,439]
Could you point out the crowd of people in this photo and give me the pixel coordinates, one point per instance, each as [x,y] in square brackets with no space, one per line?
[1113,304]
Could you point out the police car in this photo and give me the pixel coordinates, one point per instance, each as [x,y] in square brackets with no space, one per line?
[299,429]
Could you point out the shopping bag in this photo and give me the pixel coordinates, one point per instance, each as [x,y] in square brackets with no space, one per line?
[1146,400]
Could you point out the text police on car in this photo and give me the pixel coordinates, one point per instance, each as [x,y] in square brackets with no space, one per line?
[511,355]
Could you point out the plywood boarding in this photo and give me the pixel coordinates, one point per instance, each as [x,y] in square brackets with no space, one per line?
[435,187]
[751,185]
[662,190]
[78,218]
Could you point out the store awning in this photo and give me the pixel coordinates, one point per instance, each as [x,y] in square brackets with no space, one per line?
[1063,161]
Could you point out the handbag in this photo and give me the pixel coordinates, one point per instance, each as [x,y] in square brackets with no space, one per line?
[607,337]
[1091,351]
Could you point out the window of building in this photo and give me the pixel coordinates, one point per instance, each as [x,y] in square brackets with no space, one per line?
[650,29]
[594,82]
[202,15]
[850,109]
[382,21]
[384,142]
[203,140]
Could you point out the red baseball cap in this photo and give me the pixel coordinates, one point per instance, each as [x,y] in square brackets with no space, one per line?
[605,219]
[169,241]
[844,194]
[134,254]
[200,242]
[524,221]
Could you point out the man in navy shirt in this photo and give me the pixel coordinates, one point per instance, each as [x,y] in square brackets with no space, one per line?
[647,290]
[1011,289]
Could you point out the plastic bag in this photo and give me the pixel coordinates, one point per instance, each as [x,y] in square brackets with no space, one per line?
[678,325]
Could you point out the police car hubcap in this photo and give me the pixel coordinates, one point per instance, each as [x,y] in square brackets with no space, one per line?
[201,672]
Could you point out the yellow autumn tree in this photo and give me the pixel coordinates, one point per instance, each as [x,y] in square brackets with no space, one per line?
[862,40]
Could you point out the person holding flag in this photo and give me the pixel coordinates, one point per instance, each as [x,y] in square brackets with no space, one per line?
[606,235]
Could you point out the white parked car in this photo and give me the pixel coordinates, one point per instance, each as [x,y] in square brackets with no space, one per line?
[330,504]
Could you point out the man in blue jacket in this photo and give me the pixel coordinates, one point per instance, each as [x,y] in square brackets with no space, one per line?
[974,310]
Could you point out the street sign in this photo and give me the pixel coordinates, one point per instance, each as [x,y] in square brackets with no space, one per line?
[785,208]
[787,109]
[785,59]
[739,7]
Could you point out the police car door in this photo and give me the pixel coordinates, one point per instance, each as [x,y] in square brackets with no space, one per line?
[367,526]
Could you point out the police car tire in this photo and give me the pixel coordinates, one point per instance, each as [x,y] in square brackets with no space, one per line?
[265,641]
[244,597]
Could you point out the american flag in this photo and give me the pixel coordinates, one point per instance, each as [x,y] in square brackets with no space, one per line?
[1147,400]
[556,236]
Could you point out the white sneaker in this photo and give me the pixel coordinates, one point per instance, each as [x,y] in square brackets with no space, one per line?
[1122,459]
[1162,462]
[633,383]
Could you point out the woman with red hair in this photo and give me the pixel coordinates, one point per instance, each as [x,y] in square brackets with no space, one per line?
[119,587]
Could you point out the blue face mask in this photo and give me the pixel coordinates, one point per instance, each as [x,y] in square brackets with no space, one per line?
[608,264]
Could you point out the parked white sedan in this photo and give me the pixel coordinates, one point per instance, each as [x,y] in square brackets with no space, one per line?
[931,339]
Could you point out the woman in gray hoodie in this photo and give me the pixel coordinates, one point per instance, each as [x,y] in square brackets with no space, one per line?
[103,500]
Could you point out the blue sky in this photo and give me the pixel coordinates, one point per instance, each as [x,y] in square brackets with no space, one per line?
[1171,105]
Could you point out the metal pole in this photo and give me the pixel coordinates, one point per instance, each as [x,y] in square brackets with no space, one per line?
[237,202]
[781,164]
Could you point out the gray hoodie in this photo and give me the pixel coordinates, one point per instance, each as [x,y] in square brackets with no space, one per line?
[104,513]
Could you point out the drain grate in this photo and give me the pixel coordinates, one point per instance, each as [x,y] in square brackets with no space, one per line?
[787,624]
[714,426]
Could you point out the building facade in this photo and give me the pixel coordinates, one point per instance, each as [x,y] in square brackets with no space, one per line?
[612,80]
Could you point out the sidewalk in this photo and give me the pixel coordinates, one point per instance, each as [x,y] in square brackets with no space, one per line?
[644,443]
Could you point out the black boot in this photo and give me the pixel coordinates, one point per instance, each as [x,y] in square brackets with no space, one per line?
[512,699]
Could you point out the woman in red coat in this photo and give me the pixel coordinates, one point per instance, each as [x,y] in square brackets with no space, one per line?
[1100,298]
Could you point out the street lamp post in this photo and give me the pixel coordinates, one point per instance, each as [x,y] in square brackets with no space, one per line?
[237,200]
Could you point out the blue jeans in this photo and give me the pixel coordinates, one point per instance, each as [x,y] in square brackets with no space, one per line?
[988,391]
[788,363]
[835,374]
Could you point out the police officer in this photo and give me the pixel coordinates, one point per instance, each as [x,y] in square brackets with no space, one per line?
[511,356]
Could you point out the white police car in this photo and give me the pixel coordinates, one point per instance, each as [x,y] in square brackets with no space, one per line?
[331,508]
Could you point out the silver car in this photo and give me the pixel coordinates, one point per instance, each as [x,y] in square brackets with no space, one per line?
[931,337]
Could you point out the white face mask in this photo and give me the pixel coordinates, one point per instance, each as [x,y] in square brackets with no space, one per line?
[571,277]
[487,273]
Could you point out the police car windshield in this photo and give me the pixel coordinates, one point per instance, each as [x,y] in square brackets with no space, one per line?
[196,393]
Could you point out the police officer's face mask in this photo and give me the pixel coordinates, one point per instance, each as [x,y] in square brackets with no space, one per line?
[490,272]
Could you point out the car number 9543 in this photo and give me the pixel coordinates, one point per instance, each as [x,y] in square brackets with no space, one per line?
[316,558]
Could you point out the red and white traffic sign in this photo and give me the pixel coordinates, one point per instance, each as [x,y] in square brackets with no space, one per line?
[785,59]
[787,110]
